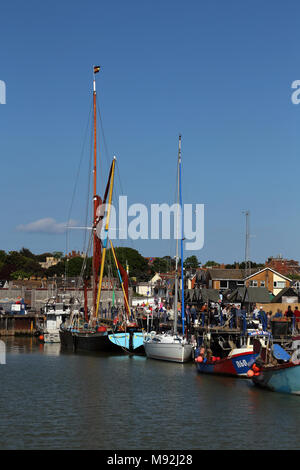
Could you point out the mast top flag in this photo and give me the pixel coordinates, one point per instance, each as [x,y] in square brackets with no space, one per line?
[96,68]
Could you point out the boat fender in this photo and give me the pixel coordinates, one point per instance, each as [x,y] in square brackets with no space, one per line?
[101,329]
[199,359]
[250,373]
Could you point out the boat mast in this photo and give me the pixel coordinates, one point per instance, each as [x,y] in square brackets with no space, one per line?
[105,242]
[95,274]
[181,238]
[176,257]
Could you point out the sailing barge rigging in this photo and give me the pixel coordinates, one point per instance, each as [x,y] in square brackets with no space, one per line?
[89,334]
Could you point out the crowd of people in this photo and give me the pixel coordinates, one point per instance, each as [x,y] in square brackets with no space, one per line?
[218,314]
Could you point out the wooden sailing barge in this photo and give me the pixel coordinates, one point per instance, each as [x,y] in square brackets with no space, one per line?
[91,334]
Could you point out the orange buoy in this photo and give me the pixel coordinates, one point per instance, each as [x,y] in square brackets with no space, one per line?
[101,329]
[199,359]
[250,373]
[41,337]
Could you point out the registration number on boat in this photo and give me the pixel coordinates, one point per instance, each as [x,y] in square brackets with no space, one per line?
[242,363]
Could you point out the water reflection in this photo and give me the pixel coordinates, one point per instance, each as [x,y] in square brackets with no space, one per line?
[63,400]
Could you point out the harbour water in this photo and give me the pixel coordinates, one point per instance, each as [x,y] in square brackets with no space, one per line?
[55,400]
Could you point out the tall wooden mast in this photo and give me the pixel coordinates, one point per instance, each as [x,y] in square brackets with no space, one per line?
[95,198]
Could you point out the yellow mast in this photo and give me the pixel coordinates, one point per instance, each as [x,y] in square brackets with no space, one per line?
[120,277]
[106,236]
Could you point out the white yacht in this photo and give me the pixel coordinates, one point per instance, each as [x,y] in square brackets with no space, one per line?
[172,346]
[168,347]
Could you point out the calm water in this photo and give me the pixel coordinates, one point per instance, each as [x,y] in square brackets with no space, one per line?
[55,400]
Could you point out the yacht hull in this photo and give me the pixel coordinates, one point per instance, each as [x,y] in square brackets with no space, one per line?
[168,351]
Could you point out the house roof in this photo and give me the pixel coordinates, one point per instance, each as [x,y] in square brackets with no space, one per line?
[204,295]
[210,295]
[250,294]
[257,294]
[228,274]
[270,269]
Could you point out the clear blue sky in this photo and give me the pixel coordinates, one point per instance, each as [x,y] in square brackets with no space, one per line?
[219,72]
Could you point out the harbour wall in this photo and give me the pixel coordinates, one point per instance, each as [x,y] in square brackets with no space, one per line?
[36,298]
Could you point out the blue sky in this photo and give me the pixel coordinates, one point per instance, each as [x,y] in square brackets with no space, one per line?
[218,72]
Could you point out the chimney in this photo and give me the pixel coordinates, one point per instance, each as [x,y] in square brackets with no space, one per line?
[237,266]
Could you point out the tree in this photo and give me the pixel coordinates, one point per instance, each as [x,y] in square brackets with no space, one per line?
[191,262]
[27,253]
[210,263]
[138,266]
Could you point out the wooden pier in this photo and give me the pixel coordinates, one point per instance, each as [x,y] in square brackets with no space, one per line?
[13,325]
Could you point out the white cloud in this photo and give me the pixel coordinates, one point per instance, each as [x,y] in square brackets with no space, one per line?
[46,225]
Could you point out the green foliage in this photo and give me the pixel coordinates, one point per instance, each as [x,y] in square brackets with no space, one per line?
[20,274]
[294,276]
[191,262]
[210,263]
[27,253]
[3,256]
[56,270]
[23,261]
[243,265]
[138,266]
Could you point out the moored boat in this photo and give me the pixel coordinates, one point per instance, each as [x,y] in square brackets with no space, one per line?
[276,370]
[168,347]
[56,312]
[86,340]
[173,346]
[234,360]
[131,340]
[86,331]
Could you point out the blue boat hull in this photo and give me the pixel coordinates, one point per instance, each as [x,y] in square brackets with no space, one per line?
[284,378]
[132,341]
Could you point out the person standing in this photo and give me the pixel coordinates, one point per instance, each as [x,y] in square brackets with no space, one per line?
[297,317]
[262,316]
[289,313]
[194,314]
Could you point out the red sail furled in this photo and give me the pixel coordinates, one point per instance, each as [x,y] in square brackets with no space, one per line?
[86,301]
[96,256]
[125,283]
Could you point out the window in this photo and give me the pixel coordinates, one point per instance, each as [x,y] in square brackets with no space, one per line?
[223,284]
[279,284]
[262,283]
[253,284]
